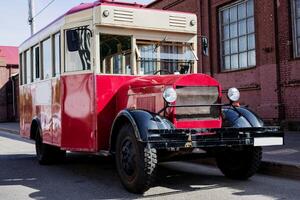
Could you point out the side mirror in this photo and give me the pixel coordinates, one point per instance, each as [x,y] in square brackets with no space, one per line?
[73,40]
[204,41]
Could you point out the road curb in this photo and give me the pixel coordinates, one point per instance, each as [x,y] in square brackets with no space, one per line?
[9,130]
[268,168]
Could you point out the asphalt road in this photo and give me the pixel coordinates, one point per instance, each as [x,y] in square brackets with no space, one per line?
[91,177]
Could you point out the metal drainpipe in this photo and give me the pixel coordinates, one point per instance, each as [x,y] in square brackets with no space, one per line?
[200,67]
[281,107]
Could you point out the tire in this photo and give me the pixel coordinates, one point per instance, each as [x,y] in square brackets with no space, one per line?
[136,164]
[239,164]
[47,154]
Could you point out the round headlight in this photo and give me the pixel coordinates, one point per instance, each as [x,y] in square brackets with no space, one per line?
[233,94]
[170,95]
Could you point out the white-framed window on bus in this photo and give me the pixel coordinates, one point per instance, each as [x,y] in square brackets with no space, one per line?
[237,35]
[149,56]
[165,57]
[36,62]
[80,59]
[115,54]
[28,66]
[57,51]
[296,26]
[21,68]
[47,59]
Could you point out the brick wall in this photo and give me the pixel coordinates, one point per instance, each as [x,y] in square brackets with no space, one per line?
[4,74]
[260,86]
[289,66]
[8,100]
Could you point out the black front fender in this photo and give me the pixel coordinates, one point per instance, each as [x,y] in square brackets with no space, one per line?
[240,117]
[141,121]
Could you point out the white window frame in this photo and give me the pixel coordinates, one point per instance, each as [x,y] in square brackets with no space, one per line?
[247,34]
[296,36]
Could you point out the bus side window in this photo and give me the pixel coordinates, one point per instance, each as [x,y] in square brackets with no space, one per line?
[47,59]
[36,62]
[57,58]
[21,68]
[115,54]
[28,65]
[79,59]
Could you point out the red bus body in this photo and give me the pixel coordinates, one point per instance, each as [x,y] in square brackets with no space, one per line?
[89,83]
[83,107]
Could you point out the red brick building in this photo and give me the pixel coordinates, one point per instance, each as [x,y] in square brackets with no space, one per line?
[9,83]
[253,45]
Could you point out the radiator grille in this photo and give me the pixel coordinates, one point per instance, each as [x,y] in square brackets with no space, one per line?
[177,21]
[123,16]
[197,96]
[147,103]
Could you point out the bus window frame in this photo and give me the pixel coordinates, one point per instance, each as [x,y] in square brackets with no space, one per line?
[21,68]
[26,67]
[145,35]
[60,48]
[98,30]
[123,70]
[42,58]
[64,49]
[35,79]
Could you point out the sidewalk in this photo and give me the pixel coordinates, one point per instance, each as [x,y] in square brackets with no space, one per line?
[277,160]
[11,127]
[288,154]
[283,160]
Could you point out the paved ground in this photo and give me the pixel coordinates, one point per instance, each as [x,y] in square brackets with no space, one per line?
[12,127]
[287,154]
[90,177]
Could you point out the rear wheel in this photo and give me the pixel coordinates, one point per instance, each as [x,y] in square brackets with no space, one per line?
[136,164]
[239,164]
[47,154]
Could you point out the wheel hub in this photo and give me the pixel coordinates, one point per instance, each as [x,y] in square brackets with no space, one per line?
[127,157]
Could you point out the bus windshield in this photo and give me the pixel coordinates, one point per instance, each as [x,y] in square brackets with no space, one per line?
[165,57]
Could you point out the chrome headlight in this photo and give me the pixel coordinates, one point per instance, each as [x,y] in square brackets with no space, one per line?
[170,95]
[233,94]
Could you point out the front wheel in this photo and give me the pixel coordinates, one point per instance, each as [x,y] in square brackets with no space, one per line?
[239,164]
[136,163]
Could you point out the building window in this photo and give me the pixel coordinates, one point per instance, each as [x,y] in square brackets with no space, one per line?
[296,26]
[237,35]
[47,59]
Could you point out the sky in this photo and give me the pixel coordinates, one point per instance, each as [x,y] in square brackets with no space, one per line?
[14,27]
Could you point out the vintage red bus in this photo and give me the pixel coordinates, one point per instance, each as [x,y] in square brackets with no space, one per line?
[118,79]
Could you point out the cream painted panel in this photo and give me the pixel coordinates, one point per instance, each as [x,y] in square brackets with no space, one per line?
[43,34]
[81,16]
[146,19]
[43,93]
[150,34]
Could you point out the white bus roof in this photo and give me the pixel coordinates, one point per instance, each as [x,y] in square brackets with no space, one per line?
[123,15]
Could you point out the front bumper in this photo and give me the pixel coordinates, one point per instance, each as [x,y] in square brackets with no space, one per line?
[215,137]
